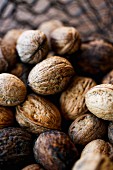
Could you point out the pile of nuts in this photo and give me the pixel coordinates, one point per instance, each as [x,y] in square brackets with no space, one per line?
[56,100]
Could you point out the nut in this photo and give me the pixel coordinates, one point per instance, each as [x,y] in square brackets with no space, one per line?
[6,117]
[93,161]
[37,114]
[12,90]
[108,78]
[3,62]
[98,146]
[72,100]
[15,147]
[32,46]
[87,128]
[65,40]
[33,167]
[110,132]
[60,151]
[50,76]
[99,101]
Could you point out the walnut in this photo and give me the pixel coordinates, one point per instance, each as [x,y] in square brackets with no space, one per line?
[65,40]
[87,128]
[72,100]
[12,90]
[50,76]
[33,167]
[99,101]
[15,148]
[110,132]
[32,46]
[6,117]
[108,78]
[55,151]
[93,161]
[98,146]
[37,114]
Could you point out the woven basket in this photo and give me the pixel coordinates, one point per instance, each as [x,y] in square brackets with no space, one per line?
[92,18]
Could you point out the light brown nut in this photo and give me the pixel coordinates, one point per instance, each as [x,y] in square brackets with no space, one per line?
[32,46]
[110,132]
[87,128]
[93,161]
[50,76]
[55,151]
[6,117]
[98,146]
[72,100]
[65,40]
[33,167]
[99,101]
[108,79]
[37,114]
[12,90]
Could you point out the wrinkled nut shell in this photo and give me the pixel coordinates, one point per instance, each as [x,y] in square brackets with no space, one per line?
[99,101]
[93,161]
[32,46]
[54,150]
[6,117]
[12,90]
[65,40]
[72,100]
[37,114]
[50,76]
[33,167]
[87,128]
[98,146]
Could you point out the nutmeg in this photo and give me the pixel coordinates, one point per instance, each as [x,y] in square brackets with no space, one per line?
[54,150]
[32,46]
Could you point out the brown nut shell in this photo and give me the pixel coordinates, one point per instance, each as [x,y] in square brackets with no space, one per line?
[110,132]
[108,79]
[72,100]
[99,101]
[33,167]
[54,150]
[65,40]
[87,128]
[12,90]
[32,46]
[37,114]
[93,161]
[6,117]
[50,76]
[98,146]
[3,62]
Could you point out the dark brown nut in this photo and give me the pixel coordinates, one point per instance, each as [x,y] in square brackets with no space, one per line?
[6,117]
[32,46]
[110,132]
[37,114]
[15,147]
[65,40]
[99,101]
[87,128]
[72,100]
[33,167]
[55,151]
[50,76]
[95,58]
[98,146]
[49,26]
[93,161]
[3,62]
[108,79]
[8,46]
[12,90]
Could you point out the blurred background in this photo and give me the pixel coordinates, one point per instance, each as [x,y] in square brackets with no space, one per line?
[93,18]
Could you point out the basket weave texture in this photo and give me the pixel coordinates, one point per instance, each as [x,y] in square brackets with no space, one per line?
[92,18]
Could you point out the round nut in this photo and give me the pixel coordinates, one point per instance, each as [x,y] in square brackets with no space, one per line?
[61,153]
[72,100]
[50,76]
[98,146]
[32,46]
[93,161]
[99,101]
[12,90]
[3,62]
[65,40]
[87,128]
[108,79]
[110,132]
[37,114]
[6,117]
[33,167]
